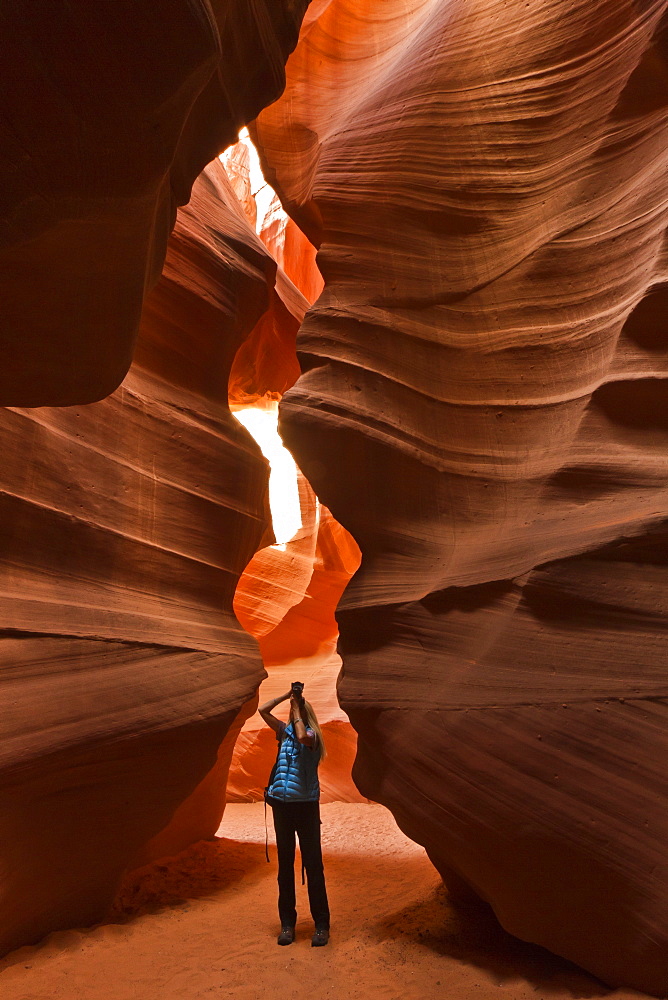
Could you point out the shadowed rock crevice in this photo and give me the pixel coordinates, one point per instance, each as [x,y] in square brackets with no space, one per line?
[641,403]
[647,325]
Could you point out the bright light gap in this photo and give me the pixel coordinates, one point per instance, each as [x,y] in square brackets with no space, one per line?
[262,425]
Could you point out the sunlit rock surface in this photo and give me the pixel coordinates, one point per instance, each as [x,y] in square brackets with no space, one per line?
[483,406]
[289,591]
[109,113]
[124,528]
[266,363]
[286,598]
[286,243]
[236,161]
[291,250]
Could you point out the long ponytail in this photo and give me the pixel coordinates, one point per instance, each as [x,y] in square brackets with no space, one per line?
[312,723]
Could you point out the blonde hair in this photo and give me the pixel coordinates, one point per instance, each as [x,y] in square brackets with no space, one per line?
[312,722]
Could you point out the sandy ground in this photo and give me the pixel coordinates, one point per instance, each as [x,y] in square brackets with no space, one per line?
[205,925]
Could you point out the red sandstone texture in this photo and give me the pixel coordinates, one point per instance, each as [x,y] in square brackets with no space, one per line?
[109,113]
[292,251]
[124,528]
[483,406]
[286,243]
[236,161]
[286,598]
[288,593]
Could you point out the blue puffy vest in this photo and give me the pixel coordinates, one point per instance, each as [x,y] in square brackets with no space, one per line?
[296,775]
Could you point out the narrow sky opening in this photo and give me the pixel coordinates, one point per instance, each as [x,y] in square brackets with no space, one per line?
[262,425]
[261,191]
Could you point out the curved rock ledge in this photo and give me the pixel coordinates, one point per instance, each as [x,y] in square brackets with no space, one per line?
[482,405]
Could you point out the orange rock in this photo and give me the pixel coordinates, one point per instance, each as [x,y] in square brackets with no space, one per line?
[276,578]
[266,364]
[197,816]
[483,408]
[287,597]
[292,251]
[124,526]
[308,629]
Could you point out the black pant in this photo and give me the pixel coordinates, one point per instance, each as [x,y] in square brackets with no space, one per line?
[302,818]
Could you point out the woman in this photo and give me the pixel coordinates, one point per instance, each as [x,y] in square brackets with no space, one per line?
[294,795]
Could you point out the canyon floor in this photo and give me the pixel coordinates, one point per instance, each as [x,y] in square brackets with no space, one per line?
[204,925]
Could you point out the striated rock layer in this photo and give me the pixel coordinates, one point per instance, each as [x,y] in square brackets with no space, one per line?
[291,250]
[483,405]
[286,598]
[109,113]
[124,528]
[288,593]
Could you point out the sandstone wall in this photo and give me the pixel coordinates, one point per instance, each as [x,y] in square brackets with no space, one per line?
[125,524]
[109,113]
[286,598]
[288,593]
[483,405]
[124,528]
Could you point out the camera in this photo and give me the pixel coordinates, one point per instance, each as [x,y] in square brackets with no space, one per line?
[297,687]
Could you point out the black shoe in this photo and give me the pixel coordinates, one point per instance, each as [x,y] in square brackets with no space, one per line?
[287,935]
[320,938]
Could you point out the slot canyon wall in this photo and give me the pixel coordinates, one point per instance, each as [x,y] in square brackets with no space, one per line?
[286,598]
[483,405]
[125,524]
[109,113]
[288,593]
[124,528]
